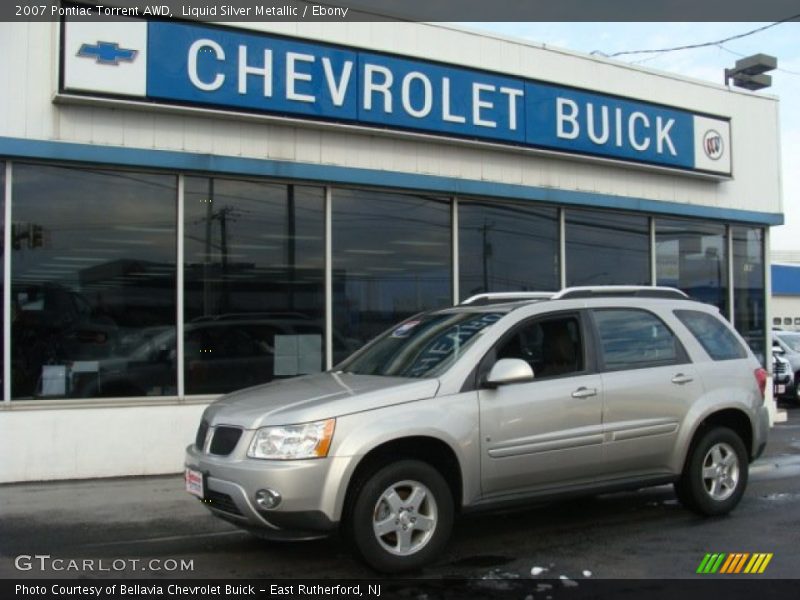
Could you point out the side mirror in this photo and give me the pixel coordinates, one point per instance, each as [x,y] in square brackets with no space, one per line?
[509,370]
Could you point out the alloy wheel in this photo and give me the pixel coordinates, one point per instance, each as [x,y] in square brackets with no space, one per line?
[405,517]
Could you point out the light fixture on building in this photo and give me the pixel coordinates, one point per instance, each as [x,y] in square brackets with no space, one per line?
[749,72]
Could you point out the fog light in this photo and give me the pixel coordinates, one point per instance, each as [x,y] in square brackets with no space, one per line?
[268,499]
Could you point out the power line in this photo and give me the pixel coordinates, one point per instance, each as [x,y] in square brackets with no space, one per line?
[700,45]
[724,49]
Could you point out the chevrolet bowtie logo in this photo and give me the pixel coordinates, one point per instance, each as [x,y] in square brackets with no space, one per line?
[107,53]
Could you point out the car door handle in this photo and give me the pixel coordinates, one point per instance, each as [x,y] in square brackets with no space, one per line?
[583,392]
[680,379]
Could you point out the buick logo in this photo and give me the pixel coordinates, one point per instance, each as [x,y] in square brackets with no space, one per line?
[712,145]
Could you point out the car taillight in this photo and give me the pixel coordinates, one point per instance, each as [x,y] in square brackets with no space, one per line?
[761,379]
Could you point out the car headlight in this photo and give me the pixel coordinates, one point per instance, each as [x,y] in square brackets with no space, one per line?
[289,442]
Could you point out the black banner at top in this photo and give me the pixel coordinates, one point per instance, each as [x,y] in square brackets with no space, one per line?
[410,10]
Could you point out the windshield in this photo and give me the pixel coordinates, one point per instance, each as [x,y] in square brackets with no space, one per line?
[792,340]
[421,347]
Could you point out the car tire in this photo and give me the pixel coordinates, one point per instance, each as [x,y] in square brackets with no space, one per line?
[401,517]
[715,473]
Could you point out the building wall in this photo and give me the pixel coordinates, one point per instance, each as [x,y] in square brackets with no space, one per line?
[51,443]
[786,307]
[785,299]
[77,439]
[31,57]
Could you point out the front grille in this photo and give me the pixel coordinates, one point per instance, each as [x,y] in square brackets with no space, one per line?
[221,502]
[780,367]
[200,439]
[224,440]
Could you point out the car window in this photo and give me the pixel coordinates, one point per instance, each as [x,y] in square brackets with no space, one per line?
[714,336]
[633,339]
[552,347]
[790,339]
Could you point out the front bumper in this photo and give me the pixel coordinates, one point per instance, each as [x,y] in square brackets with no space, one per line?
[231,482]
[787,384]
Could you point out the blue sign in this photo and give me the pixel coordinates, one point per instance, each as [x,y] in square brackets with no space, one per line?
[228,69]
[577,121]
[414,95]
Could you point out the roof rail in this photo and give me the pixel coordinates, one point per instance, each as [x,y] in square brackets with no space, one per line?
[497,297]
[641,291]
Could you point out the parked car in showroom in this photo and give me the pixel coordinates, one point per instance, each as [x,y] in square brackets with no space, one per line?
[493,403]
[221,353]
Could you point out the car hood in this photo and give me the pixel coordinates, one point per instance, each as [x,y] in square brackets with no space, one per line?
[315,397]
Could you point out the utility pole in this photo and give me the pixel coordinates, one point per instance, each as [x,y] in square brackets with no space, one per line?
[487,252]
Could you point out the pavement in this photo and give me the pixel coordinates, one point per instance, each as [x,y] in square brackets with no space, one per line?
[148,525]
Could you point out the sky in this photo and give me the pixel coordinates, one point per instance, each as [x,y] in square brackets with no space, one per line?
[709,63]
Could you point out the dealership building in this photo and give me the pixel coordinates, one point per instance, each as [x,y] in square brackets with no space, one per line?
[189,208]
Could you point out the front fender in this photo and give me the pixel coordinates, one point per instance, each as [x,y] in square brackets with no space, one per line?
[450,419]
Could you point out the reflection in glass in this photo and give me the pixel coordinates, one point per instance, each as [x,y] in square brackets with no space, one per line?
[692,256]
[607,248]
[254,283]
[749,311]
[391,259]
[506,247]
[717,340]
[421,347]
[93,283]
[631,339]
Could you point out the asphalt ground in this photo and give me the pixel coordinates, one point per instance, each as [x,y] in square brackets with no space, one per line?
[146,527]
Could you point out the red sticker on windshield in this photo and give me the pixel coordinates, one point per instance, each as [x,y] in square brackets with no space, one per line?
[404,329]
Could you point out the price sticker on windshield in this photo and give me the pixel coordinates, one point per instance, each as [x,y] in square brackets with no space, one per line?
[405,329]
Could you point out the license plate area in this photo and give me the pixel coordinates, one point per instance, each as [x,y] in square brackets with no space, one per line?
[194,482]
[780,389]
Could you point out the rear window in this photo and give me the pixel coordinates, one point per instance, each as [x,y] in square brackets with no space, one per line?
[790,339]
[714,336]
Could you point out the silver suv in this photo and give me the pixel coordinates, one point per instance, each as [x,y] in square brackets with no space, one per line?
[489,404]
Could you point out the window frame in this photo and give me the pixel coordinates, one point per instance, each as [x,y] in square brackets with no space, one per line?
[93,169]
[508,204]
[570,237]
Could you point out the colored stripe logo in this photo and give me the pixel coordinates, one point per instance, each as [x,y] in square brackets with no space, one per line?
[734,563]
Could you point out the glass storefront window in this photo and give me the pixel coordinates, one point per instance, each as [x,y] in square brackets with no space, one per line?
[391,259]
[93,293]
[607,248]
[254,284]
[506,247]
[749,310]
[93,283]
[692,256]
